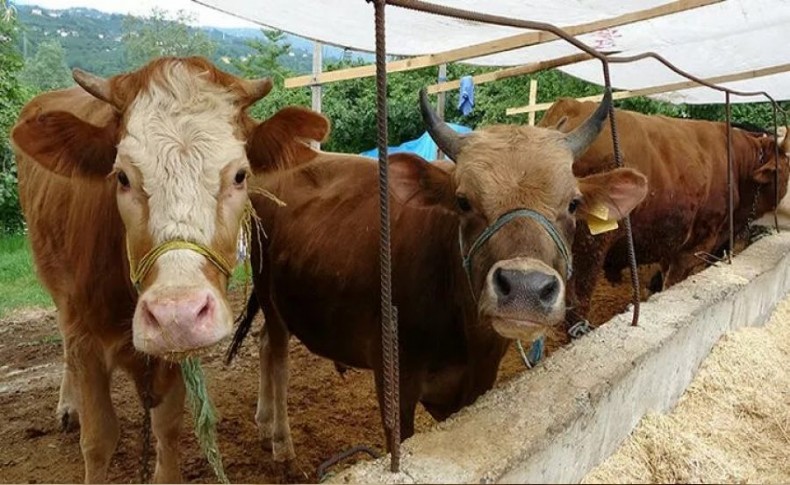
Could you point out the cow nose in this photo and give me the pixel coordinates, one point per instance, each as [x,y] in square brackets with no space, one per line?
[191,310]
[512,284]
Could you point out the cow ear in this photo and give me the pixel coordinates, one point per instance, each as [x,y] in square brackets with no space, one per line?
[417,183]
[610,196]
[559,125]
[765,174]
[282,141]
[67,145]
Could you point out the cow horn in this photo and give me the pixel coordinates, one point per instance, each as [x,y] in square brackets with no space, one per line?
[99,87]
[255,89]
[785,146]
[448,141]
[582,137]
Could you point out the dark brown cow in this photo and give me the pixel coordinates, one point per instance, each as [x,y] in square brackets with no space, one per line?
[685,211]
[319,277]
[108,173]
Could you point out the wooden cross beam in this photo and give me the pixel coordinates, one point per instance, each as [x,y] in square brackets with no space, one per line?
[767,71]
[495,46]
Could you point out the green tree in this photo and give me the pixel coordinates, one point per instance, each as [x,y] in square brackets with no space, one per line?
[47,70]
[160,35]
[12,97]
[265,58]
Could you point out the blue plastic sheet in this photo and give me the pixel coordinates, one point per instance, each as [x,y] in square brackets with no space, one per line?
[422,146]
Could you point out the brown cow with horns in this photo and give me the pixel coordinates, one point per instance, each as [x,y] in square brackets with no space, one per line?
[480,255]
[146,169]
[685,211]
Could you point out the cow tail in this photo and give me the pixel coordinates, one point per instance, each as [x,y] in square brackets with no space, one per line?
[244,324]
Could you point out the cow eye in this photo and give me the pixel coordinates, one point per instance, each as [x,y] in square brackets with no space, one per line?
[123,179]
[463,203]
[574,205]
[240,177]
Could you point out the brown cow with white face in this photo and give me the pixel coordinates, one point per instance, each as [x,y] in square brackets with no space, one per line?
[480,252]
[133,189]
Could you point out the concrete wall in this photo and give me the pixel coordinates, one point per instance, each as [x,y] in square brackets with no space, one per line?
[556,422]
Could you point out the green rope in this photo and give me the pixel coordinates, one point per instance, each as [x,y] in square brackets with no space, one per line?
[204,414]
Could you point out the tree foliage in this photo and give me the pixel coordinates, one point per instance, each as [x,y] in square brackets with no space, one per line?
[159,34]
[47,70]
[12,97]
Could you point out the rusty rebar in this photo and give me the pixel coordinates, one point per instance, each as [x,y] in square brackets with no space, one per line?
[629,233]
[730,227]
[389,319]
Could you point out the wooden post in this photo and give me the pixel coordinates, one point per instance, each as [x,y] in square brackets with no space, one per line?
[533,99]
[316,88]
[440,104]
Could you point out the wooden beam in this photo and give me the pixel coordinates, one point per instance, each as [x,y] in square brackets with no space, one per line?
[495,46]
[533,98]
[728,78]
[511,72]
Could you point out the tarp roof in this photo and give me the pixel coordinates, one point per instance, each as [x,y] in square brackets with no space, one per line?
[724,38]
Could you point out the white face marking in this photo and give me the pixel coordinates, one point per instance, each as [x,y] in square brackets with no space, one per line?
[180,134]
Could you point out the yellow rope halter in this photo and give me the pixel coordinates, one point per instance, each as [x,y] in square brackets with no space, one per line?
[143,267]
[138,270]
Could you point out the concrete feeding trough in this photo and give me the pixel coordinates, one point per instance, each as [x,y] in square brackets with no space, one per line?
[558,421]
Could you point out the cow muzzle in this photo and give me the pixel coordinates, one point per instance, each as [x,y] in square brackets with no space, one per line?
[523,296]
[176,321]
[182,312]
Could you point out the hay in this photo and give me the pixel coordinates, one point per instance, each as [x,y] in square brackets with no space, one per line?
[732,424]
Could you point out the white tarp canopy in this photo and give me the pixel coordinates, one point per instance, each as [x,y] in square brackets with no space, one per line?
[733,36]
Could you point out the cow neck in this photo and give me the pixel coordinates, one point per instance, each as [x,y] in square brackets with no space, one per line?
[748,188]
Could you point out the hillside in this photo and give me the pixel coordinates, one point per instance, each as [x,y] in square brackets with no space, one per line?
[92,40]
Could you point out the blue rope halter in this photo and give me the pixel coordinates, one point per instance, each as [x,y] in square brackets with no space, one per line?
[499,223]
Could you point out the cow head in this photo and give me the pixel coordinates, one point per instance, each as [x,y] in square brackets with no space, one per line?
[178,148]
[517,201]
[770,170]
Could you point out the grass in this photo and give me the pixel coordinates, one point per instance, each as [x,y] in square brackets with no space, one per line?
[19,287]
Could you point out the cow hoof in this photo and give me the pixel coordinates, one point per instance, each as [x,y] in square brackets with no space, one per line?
[283,451]
[68,419]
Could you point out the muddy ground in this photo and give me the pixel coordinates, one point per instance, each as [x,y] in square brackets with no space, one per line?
[329,413]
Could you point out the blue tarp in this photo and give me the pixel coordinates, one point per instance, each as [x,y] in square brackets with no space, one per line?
[422,146]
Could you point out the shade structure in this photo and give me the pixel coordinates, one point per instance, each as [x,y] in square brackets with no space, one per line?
[728,37]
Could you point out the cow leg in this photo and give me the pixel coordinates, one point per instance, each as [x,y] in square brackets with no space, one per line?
[410,384]
[589,257]
[166,419]
[272,413]
[264,413]
[100,430]
[164,386]
[67,413]
[680,268]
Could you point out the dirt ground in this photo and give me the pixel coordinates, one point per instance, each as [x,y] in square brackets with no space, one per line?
[329,413]
[732,425]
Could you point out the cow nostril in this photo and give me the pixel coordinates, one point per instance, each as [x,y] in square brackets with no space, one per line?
[501,284]
[204,311]
[149,316]
[549,291]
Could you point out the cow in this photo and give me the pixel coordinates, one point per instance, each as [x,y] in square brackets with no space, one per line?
[480,255]
[685,212]
[133,189]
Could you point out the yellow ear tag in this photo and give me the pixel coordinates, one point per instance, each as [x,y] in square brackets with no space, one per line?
[598,220]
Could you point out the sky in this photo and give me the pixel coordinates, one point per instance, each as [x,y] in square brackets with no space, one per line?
[204,16]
